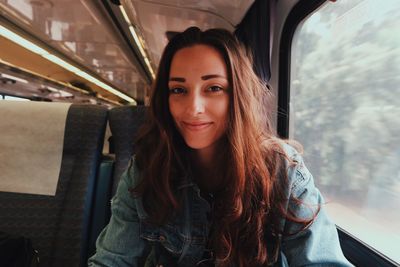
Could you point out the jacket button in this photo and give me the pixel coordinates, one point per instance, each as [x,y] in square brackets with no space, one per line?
[162,238]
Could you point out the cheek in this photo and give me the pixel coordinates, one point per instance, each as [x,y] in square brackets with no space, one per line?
[174,109]
[221,109]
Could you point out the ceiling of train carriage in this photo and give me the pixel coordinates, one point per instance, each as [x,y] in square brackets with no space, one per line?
[85,34]
[156,18]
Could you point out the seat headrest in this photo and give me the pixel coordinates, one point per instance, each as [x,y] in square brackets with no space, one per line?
[31,146]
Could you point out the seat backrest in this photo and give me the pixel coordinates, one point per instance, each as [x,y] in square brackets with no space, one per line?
[101,210]
[124,124]
[59,225]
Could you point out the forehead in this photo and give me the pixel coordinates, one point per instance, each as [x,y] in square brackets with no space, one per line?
[201,59]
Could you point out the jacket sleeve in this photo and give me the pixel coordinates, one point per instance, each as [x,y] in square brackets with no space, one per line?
[318,244]
[119,244]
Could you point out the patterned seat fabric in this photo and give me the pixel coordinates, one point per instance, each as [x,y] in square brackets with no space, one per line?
[59,225]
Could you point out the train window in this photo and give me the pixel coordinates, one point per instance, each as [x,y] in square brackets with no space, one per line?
[345,110]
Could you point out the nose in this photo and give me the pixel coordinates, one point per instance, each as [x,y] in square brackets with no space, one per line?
[196,104]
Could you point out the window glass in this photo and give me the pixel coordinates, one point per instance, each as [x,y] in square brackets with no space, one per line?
[345,110]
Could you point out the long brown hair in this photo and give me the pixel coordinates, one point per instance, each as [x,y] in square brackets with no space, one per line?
[249,211]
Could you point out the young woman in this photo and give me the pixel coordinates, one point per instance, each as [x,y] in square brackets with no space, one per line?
[210,184]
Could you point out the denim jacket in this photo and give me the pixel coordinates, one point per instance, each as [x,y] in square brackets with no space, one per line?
[128,239]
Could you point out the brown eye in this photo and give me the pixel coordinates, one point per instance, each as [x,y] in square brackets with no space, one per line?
[176,91]
[215,88]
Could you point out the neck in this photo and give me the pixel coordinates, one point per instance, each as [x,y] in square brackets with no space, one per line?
[204,158]
[206,167]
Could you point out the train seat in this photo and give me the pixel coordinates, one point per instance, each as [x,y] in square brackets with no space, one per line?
[59,224]
[101,205]
[124,124]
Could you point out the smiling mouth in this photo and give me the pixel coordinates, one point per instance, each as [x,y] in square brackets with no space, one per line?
[196,126]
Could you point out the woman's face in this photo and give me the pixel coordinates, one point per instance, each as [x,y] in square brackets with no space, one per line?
[199,95]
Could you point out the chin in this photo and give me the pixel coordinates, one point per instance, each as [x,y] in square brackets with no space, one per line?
[198,145]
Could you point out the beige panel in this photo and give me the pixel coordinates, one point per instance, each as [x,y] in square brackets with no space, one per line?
[31,145]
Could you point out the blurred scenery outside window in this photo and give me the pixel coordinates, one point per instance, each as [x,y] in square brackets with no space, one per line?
[345,110]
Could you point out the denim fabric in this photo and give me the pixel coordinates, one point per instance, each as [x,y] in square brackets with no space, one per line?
[128,240]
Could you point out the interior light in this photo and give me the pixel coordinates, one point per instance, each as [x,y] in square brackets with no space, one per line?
[15,98]
[65,94]
[61,63]
[105,86]
[140,46]
[146,60]
[13,78]
[125,15]
[137,41]
[21,41]
[52,89]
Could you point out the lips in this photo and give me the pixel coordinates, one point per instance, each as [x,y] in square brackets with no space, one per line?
[196,126]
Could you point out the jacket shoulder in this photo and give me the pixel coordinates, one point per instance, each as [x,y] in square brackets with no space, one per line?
[297,172]
[132,173]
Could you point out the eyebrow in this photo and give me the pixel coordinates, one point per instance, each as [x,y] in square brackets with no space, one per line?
[177,79]
[211,76]
[205,77]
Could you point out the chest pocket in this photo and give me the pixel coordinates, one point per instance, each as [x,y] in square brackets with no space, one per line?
[167,235]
